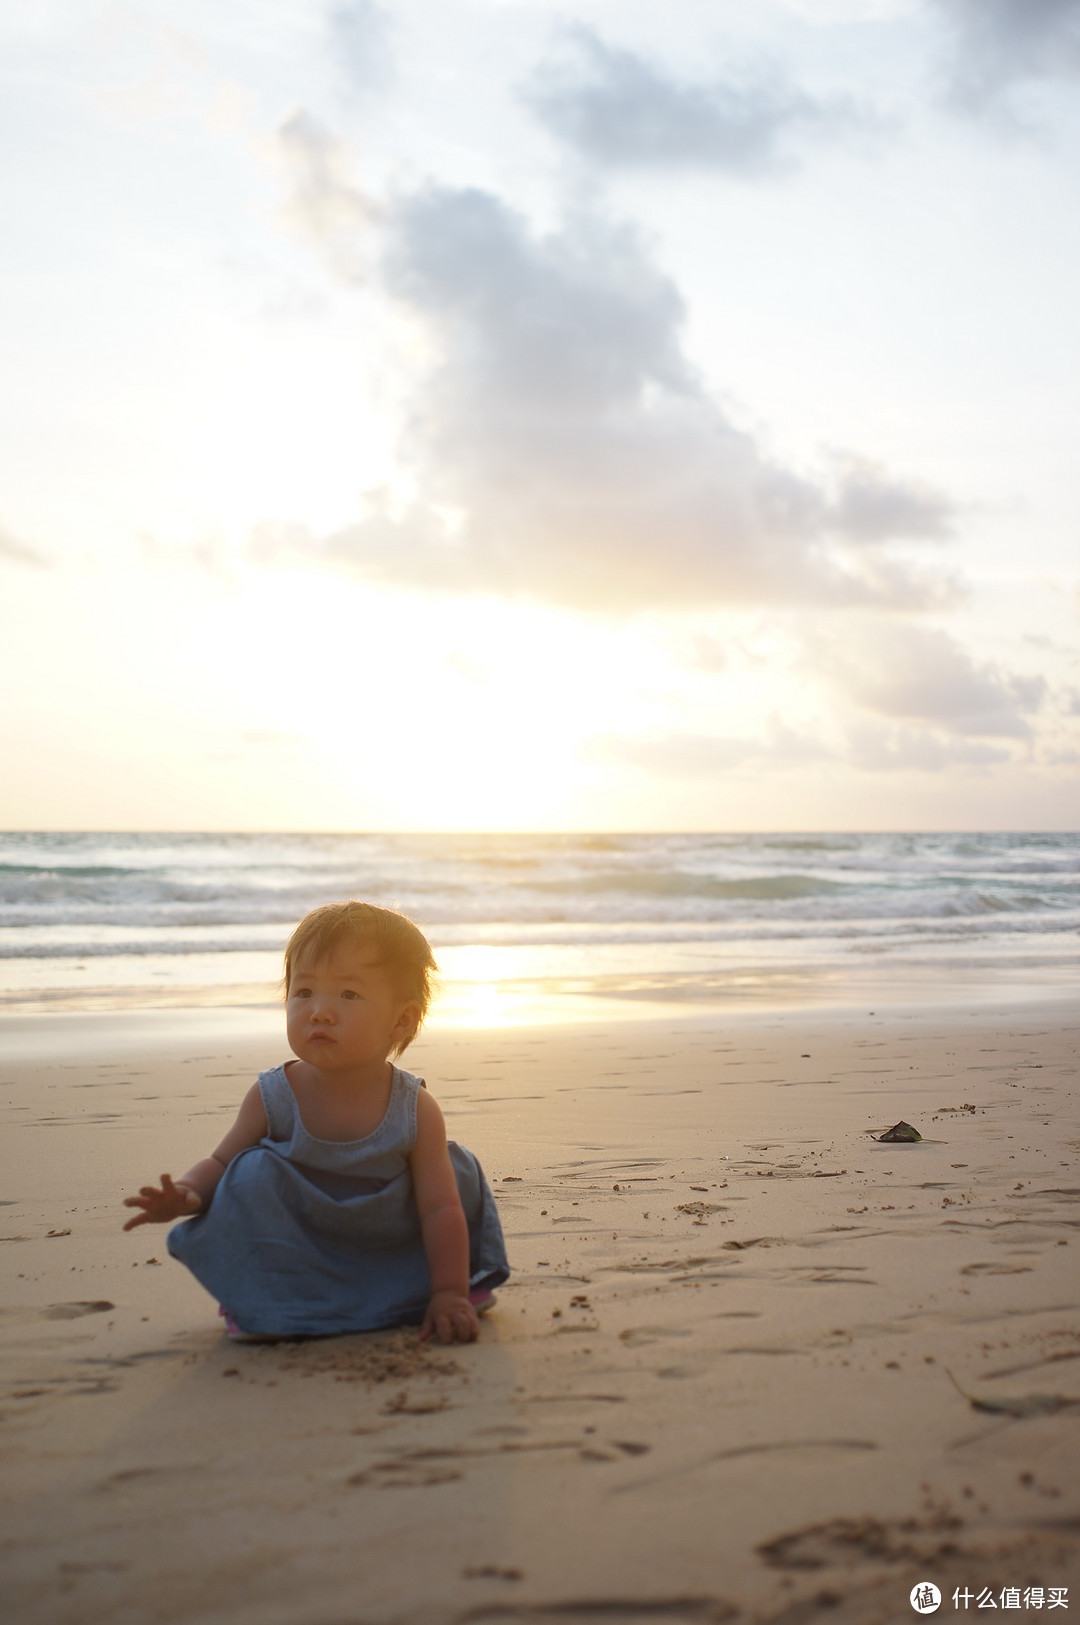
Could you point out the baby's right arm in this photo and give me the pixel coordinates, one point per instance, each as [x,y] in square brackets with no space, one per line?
[192,1193]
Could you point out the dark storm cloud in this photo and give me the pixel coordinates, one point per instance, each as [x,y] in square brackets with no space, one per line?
[923,675]
[561,444]
[1000,43]
[618,109]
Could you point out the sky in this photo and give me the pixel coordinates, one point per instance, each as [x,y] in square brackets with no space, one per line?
[516,416]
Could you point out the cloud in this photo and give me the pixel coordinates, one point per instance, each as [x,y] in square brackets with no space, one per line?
[703,651]
[206,551]
[18,552]
[687,756]
[271,739]
[921,674]
[322,204]
[617,109]
[868,745]
[562,446]
[903,750]
[360,38]
[680,755]
[998,44]
[872,506]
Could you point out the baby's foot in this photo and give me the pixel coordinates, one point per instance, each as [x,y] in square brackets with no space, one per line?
[482,1299]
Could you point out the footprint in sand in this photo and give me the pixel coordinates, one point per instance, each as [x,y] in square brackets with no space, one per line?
[75,1311]
[402,1405]
[609,1610]
[996,1269]
[135,1475]
[403,1476]
[635,1336]
[848,1540]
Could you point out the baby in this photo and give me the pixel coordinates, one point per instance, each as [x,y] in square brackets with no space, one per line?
[335,1202]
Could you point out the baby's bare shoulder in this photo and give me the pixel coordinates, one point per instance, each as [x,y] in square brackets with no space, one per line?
[250,1126]
[429,1117]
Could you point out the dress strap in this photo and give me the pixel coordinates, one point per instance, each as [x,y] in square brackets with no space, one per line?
[279,1103]
[403,1108]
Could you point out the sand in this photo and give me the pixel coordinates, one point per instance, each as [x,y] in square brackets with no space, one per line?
[724,1381]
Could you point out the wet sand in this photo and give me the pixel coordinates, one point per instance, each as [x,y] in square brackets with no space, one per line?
[724,1380]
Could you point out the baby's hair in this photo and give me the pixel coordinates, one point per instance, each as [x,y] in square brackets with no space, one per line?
[396,945]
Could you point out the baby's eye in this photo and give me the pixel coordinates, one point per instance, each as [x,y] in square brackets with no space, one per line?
[301,993]
[349,994]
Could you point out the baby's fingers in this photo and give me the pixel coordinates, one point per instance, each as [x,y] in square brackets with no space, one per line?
[140,1218]
[467,1327]
[458,1327]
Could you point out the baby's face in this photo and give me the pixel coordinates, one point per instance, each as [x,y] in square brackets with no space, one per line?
[344,1013]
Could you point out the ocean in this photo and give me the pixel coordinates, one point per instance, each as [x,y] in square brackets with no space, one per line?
[538,926]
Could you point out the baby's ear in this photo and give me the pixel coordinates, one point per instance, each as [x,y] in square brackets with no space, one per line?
[408,1023]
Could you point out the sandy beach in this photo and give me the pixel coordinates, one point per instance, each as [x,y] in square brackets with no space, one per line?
[731,1375]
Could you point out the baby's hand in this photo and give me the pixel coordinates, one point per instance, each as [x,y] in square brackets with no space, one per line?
[450,1318]
[162,1206]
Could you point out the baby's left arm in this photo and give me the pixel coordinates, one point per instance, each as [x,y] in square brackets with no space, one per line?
[450,1316]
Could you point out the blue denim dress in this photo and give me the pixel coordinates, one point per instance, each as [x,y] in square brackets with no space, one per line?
[307,1237]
